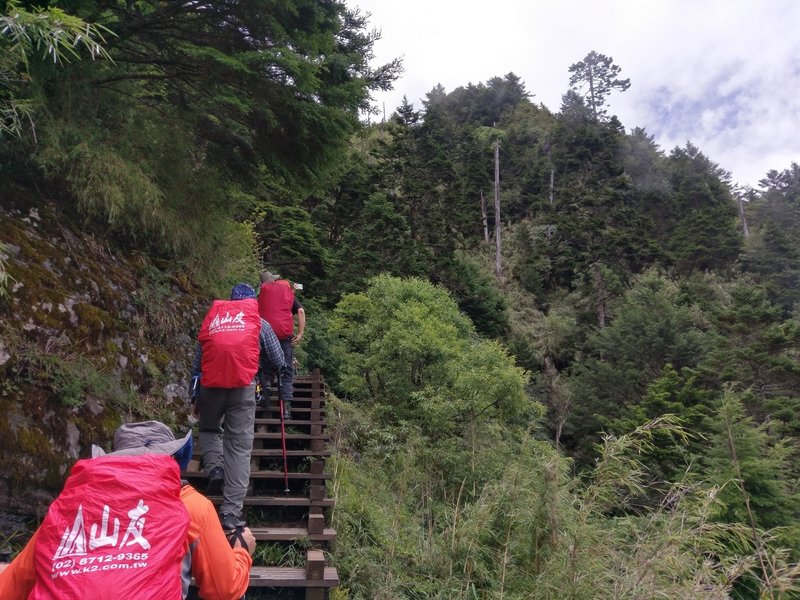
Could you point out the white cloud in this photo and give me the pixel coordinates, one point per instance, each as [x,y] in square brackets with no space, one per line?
[721,73]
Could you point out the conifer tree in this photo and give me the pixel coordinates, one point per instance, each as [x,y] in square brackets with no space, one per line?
[756,349]
[704,234]
[772,252]
[594,78]
[751,468]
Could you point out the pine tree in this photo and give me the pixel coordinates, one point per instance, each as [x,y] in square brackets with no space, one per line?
[594,78]
[704,234]
[757,350]
[772,252]
[750,467]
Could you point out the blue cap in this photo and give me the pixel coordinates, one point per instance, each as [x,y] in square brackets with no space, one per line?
[242,291]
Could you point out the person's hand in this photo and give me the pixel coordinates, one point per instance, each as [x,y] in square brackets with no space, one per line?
[249,538]
[296,339]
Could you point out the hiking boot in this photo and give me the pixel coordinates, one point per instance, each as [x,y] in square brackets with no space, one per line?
[230,521]
[216,480]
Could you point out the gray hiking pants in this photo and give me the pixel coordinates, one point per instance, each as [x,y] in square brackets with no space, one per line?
[227,423]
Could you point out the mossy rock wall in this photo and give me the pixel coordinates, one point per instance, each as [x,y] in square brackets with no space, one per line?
[90,335]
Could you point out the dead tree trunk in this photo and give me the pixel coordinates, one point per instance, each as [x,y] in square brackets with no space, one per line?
[498,267]
[745,230]
[552,173]
[558,397]
[601,295]
[485,218]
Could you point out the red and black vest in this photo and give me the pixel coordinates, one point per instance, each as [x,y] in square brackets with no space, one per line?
[117,530]
[275,301]
[229,339]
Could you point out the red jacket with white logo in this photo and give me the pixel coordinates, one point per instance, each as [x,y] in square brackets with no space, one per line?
[275,300]
[230,344]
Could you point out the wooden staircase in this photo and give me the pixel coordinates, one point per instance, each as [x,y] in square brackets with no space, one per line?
[296,518]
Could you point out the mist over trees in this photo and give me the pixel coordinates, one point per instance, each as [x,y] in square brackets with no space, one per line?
[614,416]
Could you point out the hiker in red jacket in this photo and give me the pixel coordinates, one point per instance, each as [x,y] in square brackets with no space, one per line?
[126,526]
[278,305]
[234,341]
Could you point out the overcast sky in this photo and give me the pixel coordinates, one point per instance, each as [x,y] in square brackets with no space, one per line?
[723,74]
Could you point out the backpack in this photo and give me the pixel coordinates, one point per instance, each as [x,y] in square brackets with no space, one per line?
[229,339]
[275,300]
[117,530]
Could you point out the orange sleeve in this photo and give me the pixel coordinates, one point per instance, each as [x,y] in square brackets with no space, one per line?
[17,579]
[221,572]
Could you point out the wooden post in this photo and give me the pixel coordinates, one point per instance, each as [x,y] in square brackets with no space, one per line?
[316,491]
[316,523]
[315,565]
[315,593]
[498,266]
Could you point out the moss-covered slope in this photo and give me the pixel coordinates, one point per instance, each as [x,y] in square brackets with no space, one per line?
[90,334]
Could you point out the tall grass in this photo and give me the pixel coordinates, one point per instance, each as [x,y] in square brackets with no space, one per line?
[520,524]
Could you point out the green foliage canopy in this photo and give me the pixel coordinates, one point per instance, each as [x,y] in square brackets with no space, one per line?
[408,350]
[44,33]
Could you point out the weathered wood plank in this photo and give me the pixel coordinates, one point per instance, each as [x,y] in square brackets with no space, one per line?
[294,577]
[289,436]
[280,501]
[266,475]
[290,534]
[266,452]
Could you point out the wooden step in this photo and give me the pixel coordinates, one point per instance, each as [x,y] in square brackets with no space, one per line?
[290,534]
[291,577]
[300,395]
[270,435]
[280,475]
[266,475]
[298,409]
[278,501]
[276,452]
[288,422]
[260,452]
[309,406]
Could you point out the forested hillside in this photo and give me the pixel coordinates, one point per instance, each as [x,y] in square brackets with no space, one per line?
[593,392]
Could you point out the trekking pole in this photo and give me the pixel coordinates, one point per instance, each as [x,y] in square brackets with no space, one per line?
[283,440]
